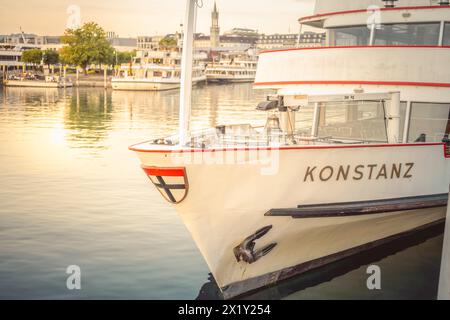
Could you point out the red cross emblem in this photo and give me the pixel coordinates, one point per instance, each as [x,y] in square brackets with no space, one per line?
[172,183]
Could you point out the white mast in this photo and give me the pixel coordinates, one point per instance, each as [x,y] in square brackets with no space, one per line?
[186,70]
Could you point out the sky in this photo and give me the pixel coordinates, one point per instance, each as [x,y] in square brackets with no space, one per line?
[131,18]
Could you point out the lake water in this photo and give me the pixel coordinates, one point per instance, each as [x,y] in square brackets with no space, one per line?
[71,193]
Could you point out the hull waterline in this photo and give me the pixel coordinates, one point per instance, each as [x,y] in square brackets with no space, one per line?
[36,84]
[142,85]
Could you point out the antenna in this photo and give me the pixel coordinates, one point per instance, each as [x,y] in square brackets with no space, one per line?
[23,36]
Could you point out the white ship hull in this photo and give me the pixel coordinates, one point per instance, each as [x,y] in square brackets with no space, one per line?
[36,84]
[149,84]
[232,79]
[227,202]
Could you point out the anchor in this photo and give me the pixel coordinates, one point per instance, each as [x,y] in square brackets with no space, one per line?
[245,251]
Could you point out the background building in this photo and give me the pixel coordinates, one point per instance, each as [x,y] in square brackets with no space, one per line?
[277,41]
[238,39]
[312,39]
[55,43]
[148,42]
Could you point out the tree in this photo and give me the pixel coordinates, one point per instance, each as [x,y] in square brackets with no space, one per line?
[125,57]
[168,42]
[51,57]
[86,45]
[32,56]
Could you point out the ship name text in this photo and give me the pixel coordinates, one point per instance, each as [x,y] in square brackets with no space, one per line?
[359,172]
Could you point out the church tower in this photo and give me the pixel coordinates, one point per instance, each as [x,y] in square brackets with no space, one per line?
[215,30]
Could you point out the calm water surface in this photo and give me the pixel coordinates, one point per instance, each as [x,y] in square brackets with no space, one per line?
[72,194]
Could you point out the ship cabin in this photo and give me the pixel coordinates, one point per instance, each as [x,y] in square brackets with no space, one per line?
[382,77]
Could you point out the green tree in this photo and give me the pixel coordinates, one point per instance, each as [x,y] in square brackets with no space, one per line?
[32,56]
[125,57]
[86,45]
[51,57]
[168,42]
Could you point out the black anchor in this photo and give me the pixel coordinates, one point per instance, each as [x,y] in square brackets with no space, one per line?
[245,251]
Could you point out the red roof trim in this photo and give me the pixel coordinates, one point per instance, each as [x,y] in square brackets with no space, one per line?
[352,47]
[321,15]
[338,82]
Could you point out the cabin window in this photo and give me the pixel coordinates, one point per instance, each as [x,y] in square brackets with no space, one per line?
[446,40]
[350,36]
[409,34]
[429,122]
[403,106]
[358,120]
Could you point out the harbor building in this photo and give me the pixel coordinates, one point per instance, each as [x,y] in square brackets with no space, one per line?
[146,43]
[54,43]
[236,39]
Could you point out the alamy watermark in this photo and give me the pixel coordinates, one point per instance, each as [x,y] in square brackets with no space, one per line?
[374,280]
[74,16]
[251,150]
[73,281]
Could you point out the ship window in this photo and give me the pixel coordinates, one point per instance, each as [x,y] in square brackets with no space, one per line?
[429,122]
[412,34]
[350,36]
[403,106]
[446,41]
[357,120]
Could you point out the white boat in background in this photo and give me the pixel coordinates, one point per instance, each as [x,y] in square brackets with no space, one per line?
[10,58]
[38,82]
[355,151]
[157,71]
[240,68]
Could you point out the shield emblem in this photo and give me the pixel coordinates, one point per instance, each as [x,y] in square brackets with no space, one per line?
[172,183]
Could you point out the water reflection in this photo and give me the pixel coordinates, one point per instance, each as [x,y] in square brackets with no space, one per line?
[72,192]
[87,118]
[30,96]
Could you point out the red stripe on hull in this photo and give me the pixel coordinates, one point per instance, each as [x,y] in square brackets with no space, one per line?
[164,172]
[134,148]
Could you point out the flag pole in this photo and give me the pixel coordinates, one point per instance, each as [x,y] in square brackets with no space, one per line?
[186,71]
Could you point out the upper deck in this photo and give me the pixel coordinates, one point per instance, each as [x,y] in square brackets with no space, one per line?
[369,48]
[330,14]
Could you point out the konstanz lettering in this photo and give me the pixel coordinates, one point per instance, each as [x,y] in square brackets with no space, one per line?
[359,172]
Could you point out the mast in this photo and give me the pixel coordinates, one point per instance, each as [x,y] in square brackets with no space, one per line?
[186,71]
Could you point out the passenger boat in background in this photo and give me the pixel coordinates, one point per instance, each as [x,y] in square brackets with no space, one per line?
[368,164]
[158,70]
[234,68]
